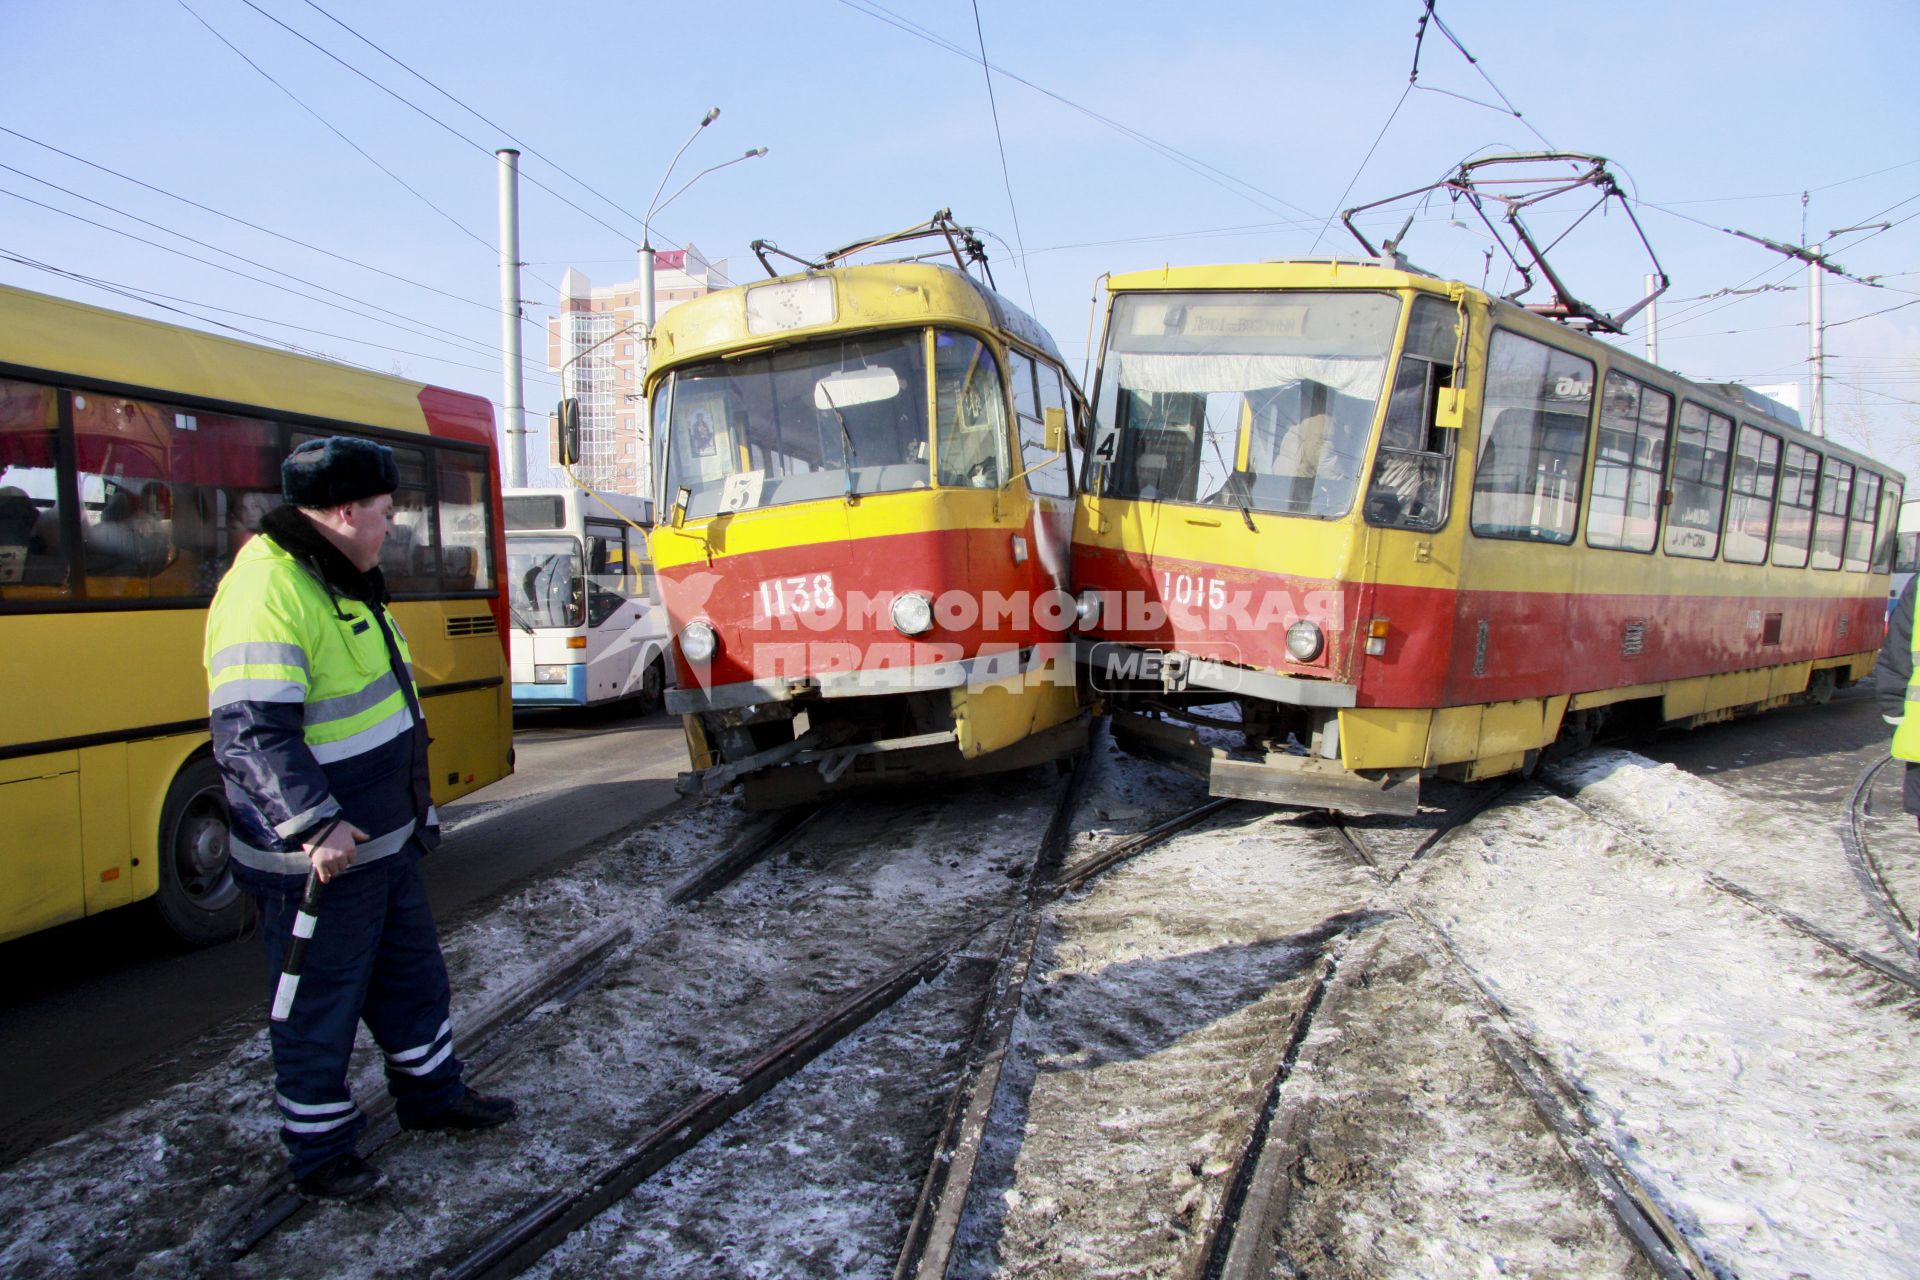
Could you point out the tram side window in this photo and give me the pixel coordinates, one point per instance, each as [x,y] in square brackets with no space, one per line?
[1799,486]
[1036,388]
[1889,517]
[970,413]
[1537,405]
[1624,511]
[1413,468]
[1860,517]
[33,561]
[1830,514]
[1756,473]
[167,496]
[1702,445]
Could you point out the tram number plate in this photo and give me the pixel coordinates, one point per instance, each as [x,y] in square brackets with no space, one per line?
[1191,590]
[784,597]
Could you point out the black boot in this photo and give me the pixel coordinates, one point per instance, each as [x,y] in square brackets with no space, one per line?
[473,1111]
[340,1179]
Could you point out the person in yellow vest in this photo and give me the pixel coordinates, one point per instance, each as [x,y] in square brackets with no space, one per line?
[1893,679]
[321,742]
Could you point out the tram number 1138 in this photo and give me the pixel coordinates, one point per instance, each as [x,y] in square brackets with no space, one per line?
[784,597]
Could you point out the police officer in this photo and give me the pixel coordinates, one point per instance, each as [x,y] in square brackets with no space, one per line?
[1893,676]
[319,736]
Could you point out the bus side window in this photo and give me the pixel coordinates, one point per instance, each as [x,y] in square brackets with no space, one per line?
[33,563]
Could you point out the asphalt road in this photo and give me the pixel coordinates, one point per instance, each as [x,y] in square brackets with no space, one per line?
[101,1012]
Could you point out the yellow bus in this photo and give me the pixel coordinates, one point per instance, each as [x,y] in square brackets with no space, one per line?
[135,459]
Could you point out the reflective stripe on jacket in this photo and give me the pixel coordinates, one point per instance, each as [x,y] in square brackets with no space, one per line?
[314,714]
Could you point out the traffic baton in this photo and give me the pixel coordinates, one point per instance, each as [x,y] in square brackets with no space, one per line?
[303,922]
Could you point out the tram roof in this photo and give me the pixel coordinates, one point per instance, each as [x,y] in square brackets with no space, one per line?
[876,296]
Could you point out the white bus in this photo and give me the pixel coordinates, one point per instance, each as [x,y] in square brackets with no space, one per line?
[587,623]
[1906,551]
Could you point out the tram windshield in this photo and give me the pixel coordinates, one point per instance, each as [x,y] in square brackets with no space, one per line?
[1255,401]
[835,418]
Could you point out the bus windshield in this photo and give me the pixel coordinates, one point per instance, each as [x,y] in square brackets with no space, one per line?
[544,581]
[1260,402]
[833,418]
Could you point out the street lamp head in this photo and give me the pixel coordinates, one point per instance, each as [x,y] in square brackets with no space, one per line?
[756,152]
[713,113]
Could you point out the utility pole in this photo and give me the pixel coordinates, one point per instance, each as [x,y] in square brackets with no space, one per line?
[1817,404]
[514,429]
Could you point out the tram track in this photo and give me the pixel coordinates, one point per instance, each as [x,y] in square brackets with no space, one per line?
[1906,977]
[935,1225]
[1866,868]
[1556,1099]
[825,1009]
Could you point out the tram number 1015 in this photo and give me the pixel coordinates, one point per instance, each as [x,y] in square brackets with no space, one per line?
[784,597]
[1193,590]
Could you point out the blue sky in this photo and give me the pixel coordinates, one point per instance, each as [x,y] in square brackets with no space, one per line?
[1132,134]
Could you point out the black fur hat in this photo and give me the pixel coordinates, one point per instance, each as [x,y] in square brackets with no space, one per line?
[335,470]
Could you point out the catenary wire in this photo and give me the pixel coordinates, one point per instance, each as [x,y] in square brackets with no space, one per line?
[253,226]
[1006,175]
[361,151]
[448,334]
[481,147]
[464,344]
[1217,176]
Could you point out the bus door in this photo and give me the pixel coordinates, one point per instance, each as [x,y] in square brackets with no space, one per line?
[615,605]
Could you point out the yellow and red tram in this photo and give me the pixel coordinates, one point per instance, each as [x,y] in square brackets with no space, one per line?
[1401,527]
[868,473]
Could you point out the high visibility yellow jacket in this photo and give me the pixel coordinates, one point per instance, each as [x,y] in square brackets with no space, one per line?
[314,713]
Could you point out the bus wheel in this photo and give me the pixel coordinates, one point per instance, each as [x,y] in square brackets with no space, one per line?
[653,684]
[198,900]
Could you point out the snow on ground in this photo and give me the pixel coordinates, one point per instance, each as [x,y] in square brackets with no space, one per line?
[1413,1153]
[856,897]
[817,1179]
[1763,1088]
[1789,854]
[1165,996]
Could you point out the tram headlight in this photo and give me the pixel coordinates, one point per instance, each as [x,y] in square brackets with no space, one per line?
[1087,609]
[912,613]
[1304,641]
[699,641]
[549,673]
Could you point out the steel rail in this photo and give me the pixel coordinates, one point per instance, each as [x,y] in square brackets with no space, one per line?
[1866,869]
[512,1245]
[1799,924]
[271,1205]
[775,834]
[1556,1100]
[927,1251]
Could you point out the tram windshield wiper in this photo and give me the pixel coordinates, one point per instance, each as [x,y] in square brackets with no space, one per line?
[850,455]
[1243,499]
[523,623]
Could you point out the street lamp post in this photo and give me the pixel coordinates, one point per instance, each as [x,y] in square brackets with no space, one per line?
[648,308]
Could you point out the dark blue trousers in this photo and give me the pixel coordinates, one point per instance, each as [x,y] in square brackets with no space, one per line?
[374,957]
